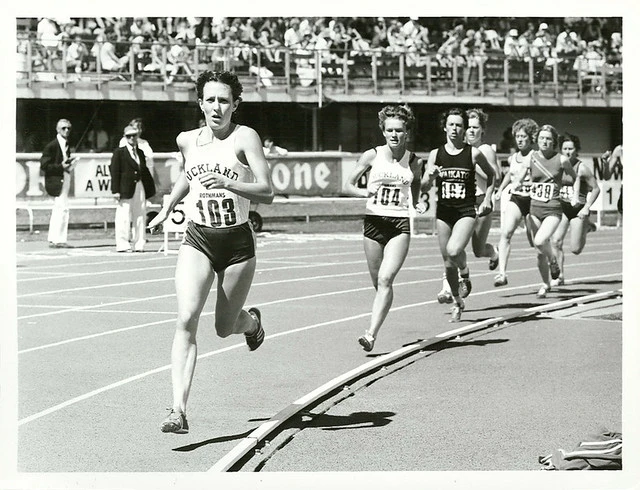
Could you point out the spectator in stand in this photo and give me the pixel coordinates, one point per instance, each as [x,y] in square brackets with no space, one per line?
[76,55]
[592,32]
[487,39]
[395,38]
[248,33]
[269,46]
[141,53]
[184,31]
[321,41]
[469,55]
[179,58]
[450,49]
[356,43]
[122,28]
[541,45]
[47,37]
[567,44]
[292,36]
[200,26]
[304,60]
[615,49]
[156,64]
[589,64]
[511,45]
[379,36]
[143,27]
[524,46]
[412,28]
[109,60]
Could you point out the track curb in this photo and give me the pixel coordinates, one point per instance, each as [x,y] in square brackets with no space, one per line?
[260,433]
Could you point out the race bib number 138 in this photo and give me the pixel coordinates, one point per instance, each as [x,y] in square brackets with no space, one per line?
[542,191]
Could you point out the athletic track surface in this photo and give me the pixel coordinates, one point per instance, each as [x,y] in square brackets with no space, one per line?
[94,331]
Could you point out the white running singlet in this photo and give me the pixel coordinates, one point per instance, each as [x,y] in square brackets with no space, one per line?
[390,181]
[217,208]
[520,169]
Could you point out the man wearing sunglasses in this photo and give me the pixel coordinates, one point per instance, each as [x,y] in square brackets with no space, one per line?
[56,164]
[132,185]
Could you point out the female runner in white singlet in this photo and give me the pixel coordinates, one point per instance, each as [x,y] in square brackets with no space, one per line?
[224,170]
[393,185]
[474,136]
[575,219]
[517,207]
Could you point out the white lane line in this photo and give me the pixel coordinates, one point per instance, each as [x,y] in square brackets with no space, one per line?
[88,307]
[117,384]
[62,275]
[281,281]
[97,310]
[271,269]
[278,301]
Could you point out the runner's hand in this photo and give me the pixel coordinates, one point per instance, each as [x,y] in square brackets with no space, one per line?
[157,220]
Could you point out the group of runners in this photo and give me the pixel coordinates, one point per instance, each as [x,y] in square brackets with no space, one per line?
[225,170]
[550,189]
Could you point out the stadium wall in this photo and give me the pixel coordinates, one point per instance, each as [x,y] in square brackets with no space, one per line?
[350,127]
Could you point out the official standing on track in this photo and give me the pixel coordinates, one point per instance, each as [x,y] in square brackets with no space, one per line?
[224,170]
[574,219]
[547,169]
[452,166]
[517,207]
[132,185]
[393,186]
[56,165]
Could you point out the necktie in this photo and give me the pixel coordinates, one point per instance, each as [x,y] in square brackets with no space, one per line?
[134,155]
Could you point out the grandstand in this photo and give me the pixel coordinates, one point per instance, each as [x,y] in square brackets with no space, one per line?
[315,84]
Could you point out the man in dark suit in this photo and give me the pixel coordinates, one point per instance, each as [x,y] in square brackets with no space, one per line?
[132,185]
[56,164]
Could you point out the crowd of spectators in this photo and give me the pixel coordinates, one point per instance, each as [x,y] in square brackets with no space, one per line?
[150,44]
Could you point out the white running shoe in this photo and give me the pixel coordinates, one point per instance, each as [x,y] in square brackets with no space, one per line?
[542,292]
[456,311]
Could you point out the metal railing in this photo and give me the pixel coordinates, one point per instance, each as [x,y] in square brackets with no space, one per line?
[333,73]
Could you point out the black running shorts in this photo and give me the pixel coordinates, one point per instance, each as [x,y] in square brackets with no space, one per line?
[542,211]
[569,211]
[451,215]
[222,246]
[384,228]
[523,203]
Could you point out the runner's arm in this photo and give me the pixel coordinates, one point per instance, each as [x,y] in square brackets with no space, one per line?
[363,164]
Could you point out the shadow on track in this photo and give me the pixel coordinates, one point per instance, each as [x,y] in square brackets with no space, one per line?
[215,440]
